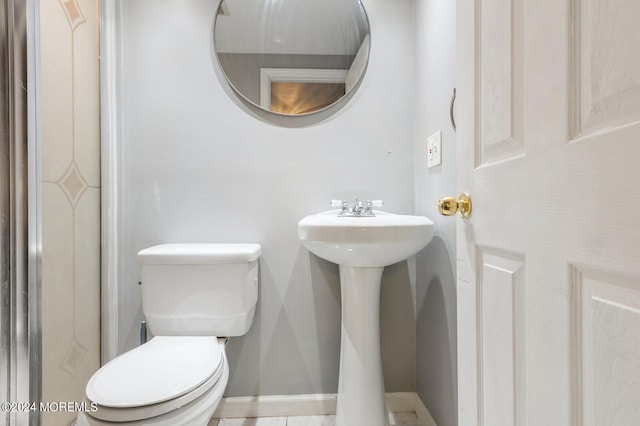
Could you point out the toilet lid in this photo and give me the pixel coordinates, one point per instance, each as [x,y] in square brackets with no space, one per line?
[162,369]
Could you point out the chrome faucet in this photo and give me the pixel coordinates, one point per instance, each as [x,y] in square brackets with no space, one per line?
[358,209]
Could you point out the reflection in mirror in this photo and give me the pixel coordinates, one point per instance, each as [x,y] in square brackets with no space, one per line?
[303,98]
[292,57]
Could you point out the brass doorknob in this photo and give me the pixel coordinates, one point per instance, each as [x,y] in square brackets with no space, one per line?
[448,206]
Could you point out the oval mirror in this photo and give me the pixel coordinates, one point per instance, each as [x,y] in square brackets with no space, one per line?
[292,57]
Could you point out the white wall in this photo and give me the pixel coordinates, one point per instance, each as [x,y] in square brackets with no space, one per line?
[435,64]
[197,167]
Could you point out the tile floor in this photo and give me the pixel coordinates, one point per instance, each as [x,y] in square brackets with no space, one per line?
[395,419]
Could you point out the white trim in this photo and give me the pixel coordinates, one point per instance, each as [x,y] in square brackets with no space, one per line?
[297,75]
[312,405]
[110,154]
[358,66]
[276,406]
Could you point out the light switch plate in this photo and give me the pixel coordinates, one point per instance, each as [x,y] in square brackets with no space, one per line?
[434,148]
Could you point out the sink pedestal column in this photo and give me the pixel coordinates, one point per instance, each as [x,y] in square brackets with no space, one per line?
[361,398]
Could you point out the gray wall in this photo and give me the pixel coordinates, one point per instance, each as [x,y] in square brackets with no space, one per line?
[196,167]
[435,61]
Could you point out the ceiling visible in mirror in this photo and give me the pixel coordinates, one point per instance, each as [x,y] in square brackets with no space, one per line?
[313,43]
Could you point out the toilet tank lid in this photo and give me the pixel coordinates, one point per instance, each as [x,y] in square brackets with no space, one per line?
[199,253]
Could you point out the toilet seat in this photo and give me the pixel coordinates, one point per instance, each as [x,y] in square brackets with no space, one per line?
[160,376]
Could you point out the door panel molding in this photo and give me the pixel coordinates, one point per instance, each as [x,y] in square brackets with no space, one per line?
[605,309]
[501,336]
[606,90]
[499,85]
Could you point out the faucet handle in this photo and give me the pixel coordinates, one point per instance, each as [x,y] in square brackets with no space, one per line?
[377,203]
[338,203]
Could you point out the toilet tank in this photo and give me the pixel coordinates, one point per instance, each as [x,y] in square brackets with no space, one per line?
[199,289]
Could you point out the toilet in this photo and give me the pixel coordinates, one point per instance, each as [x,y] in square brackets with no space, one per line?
[194,296]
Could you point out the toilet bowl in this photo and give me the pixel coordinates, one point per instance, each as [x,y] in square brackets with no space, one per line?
[192,293]
[146,386]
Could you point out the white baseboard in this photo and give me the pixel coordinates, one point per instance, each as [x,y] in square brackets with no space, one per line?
[276,406]
[312,405]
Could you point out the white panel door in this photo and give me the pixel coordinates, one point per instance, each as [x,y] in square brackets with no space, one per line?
[548,279]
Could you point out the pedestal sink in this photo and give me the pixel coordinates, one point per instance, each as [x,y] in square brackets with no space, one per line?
[362,247]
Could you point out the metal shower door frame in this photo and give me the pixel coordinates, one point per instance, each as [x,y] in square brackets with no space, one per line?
[20,217]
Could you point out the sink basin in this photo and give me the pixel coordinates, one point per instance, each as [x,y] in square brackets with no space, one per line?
[362,247]
[376,241]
